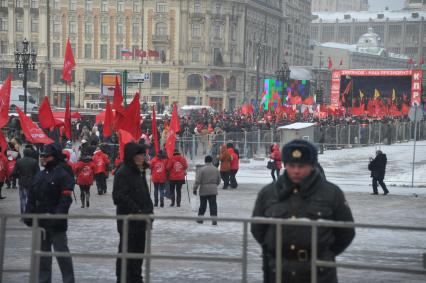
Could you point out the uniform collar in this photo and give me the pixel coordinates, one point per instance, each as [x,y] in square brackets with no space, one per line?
[284,187]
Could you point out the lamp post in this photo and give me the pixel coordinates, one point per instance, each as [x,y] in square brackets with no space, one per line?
[25,60]
[283,74]
[259,47]
[79,94]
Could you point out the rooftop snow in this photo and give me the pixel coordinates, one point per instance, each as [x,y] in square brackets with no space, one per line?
[365,16]
[297,126]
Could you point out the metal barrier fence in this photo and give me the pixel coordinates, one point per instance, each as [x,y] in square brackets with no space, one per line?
[36,252]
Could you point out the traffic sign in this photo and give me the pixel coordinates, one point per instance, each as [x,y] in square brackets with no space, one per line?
[135,77]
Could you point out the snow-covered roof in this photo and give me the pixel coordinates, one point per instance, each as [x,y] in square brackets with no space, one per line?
[297,126]
[300,73]
[378,51]
[366,16]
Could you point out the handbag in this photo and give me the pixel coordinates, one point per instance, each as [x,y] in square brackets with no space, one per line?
[270,164]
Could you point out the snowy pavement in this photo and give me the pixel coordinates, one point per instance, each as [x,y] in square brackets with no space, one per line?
[346,167]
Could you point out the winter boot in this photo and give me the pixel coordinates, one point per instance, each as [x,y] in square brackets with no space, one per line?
[1,197]
[87,203]
[200,221]
[161,203]
[82,200]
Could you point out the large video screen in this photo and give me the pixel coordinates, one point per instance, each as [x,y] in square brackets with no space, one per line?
[297,91]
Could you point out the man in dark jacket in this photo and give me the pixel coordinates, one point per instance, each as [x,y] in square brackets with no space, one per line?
[50,193]
[25,169]
[377,166]
[131,196]
[301,192]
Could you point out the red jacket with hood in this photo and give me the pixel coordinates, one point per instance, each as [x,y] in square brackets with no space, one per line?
[176,166]
[101,162]
[276,156]
[158,170]
[235,164]
[84,171]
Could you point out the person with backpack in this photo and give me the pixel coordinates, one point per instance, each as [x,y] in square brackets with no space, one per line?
[101,161]
[176,166]
[84,171]
[159,176]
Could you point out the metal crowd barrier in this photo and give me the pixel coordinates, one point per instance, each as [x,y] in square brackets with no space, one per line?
[36,252]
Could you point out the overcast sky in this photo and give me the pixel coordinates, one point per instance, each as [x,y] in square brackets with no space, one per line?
[376,5]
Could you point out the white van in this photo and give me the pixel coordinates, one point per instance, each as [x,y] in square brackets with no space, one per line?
[17,99]
[188,110]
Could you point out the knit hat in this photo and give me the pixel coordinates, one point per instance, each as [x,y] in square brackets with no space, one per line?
[300,151]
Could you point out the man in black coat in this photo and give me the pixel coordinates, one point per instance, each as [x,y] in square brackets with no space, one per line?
[301,192]
[25,169]
[377,166]
[131,196]
[50,193]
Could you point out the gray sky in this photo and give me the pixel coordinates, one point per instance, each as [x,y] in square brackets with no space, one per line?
[376,5]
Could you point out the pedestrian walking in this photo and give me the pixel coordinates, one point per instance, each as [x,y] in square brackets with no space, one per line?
[275,156]
[377,166]
[3,171]
[50,192]
[301,192]
[235,165]
[176,166]
[101,161]
[206,181]
[25,169]
[130,195]
[85,171]
[225,166]
[159,176]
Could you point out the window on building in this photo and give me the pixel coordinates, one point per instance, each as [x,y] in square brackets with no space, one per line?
[231,84]
[73,27]
[34,4]
[396,50]
[344,34]
[104,6]
[412,33]
[161,29]
[19,3]
[217,57]
[411,51]
[34,24]
[194,81]
[88,28]
[192,100]
[57,76]
[160,80]
[195,54]
[233,31]
[73,5]
[3,24]
[120,28]
[104,51]
[56,24]
[88,5]
[217,8]
[360,30]
[73,49]
[56,50]
[380,30]
[19,25]
[92,77]
[161,7]
[216,31]
[135,29]
[214,82]
[120,6]
[197,6]
[196,30]
[56,4]
[3,3]
[136,6]
[327,33]
[231,56]
[88,51]
[3,47]
[118,48]
[104,28]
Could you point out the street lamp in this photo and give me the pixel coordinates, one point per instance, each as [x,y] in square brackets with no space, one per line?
[78,87]
[283,74]
[25,60]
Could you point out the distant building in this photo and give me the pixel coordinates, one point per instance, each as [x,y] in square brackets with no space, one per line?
[339,5]
[367,53]
[400,32]
[415,4]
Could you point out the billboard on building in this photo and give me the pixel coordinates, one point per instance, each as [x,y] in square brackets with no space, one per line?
[349,88]
[108,83]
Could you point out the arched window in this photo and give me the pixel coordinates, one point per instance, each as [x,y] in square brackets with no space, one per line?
[231,84]
[214,82]
[161,29]
[194,82]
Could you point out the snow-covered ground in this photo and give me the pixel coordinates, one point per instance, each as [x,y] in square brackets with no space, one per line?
[346,167]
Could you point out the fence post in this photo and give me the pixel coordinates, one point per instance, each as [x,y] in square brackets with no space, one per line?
[314,253]
[35,246]
[337,137]
[272,135]
[148,251]
[359,134]
[380,131]
[258,141]
[245,145]
[224,137]
[403,131]
[244,254]
[279,251]
[369,133]
[124,245]
[414,150]
[2,245]
[396,131]
[349,135]
[193,147]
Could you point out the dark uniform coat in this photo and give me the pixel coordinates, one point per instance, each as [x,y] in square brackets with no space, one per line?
[378,166]
[314,199]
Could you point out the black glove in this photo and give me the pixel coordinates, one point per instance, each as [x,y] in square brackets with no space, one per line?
[195,193]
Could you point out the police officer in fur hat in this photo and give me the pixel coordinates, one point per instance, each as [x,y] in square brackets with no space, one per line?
[301,192]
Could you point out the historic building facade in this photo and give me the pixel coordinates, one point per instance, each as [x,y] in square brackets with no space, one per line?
[208,49]
[339,5]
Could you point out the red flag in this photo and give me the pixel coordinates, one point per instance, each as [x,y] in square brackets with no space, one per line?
[405,109]
[123,139]
[410,61]
[3,143]
[357,111]
[153,53]
[306,112]
[422,61]
[330,63]
[31,130]
[117,105]
[154,131]
[45,115]
[69,63]
[309,100]
[132,118]
[173,129]
[67,120]
[5,101]
[108,120]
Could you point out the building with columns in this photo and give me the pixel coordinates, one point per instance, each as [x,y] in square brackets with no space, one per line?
[339,5]
[210,47]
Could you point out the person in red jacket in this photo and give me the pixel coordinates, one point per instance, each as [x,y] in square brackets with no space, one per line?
[3,171]
[176,166]
[84,170]
[235,165]
[159,176]
[101,161]
[276,157]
